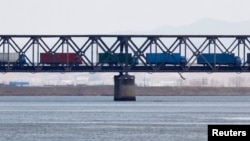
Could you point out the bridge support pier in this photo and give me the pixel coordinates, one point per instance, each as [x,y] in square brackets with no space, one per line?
[124,89]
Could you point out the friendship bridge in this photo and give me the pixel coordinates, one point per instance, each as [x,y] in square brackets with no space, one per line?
[124,54]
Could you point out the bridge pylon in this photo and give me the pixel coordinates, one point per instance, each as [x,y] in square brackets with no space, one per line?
[124,88]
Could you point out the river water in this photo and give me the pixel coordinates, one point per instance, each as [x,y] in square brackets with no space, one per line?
[99,118]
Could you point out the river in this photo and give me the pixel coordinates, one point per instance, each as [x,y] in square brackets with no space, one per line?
[99,118]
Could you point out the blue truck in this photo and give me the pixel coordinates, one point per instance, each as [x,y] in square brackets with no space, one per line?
[165,58]
[219,59]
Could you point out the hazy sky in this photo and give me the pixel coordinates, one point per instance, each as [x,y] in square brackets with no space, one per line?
[108,16]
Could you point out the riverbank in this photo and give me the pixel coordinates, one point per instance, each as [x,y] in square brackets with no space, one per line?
[108,91]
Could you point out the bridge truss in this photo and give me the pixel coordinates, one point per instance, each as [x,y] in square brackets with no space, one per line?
[89,46]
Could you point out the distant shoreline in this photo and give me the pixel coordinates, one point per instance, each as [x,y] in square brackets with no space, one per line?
[108,91]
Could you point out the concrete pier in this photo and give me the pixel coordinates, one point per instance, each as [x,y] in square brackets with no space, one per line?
[124,89]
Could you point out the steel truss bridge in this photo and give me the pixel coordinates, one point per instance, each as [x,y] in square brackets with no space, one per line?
[89,46]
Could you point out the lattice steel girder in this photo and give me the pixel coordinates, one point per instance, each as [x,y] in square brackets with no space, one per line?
[88,47]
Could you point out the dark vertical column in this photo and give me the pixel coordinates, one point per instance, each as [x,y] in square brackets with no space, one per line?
[124,89]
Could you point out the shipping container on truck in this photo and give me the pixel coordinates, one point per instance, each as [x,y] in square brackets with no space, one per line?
[9,57]
[218,58]
[116,58]
[60,58]
[165,58]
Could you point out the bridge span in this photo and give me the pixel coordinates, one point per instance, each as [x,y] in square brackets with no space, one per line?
[124,54]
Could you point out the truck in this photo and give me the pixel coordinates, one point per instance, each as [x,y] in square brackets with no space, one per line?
[12,58]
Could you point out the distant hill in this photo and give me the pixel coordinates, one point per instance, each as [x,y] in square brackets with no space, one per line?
[204,26]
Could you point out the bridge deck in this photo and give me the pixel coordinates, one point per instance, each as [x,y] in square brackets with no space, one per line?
[121,69]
